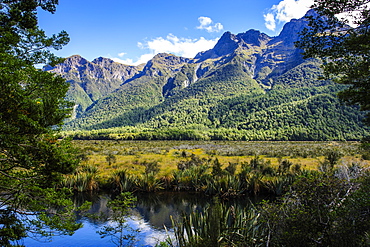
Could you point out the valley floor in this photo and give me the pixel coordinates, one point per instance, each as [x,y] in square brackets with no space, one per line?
[164,159]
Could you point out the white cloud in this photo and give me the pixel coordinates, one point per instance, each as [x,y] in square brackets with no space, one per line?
[270,22]
[206,24]
[184,47]
[285,11]
[352,18]
[179,46]
[171,44]
[204,21]
[142,59]
[121,54]
[124,61]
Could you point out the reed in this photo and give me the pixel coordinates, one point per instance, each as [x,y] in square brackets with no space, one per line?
[227,186]
[193,178]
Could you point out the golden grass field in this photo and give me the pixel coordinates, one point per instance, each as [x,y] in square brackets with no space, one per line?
[129,155]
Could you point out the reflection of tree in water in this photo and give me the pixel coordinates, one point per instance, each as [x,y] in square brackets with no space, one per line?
[157,208]
[154,208]
[98,207]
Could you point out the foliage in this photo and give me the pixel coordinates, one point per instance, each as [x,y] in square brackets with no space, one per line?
[111,158]
[84,178]
[32,107]
[231,168]
[343,48]
[122,181]
[319,212]
[21,37]
[283,114]
[218,225]
[331,159]
[318,209]
[151,167]
[117,217]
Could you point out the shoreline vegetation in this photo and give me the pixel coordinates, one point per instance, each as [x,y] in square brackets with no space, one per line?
[318,190]
[223,168]
[202,133]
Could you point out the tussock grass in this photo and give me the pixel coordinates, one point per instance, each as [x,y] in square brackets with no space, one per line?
[255,163]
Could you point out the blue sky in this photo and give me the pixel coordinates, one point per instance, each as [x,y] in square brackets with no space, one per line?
[132,32]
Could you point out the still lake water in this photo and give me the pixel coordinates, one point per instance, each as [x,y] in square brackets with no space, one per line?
[151,215]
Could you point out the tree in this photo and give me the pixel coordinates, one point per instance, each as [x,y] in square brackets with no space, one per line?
[338,33]
[20,36]
[320,210]
[120,233]
[32,106]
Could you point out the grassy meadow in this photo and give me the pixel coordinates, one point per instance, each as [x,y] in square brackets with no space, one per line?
[131,155]
[196,165]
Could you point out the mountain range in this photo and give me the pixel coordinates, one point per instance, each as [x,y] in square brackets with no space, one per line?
[249,85]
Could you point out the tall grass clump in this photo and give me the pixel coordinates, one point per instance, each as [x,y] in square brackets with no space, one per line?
[122,181]
[83,179]
[149,183]
[193,178]
[218,225]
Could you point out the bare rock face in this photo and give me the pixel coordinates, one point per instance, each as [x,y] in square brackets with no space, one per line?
[164,63]
[103,69]
[91,81]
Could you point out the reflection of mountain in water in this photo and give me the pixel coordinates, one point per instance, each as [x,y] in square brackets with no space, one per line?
[157,208]
[151,213]
[154,208]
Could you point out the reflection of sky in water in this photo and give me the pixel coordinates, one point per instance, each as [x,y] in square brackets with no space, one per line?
[88,237]
[148,235]
[151,214]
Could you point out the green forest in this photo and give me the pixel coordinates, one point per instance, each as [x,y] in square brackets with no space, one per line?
[306,114]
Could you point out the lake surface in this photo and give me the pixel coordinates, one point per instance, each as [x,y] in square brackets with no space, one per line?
[151,215]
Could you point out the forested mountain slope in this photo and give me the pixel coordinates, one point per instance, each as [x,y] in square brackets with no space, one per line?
[252,83]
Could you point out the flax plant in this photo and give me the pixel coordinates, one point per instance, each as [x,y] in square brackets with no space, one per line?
[219,225]
[83,179]
[122,181]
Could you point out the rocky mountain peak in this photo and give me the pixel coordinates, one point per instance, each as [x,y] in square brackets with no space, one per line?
[164,61]
[103,61]
[312,13]
[225,45]
[291,30]
[75,62]
[229,42]
[169,59]
[253,37]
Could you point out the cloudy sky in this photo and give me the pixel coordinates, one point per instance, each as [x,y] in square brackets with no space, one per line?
[133,31]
